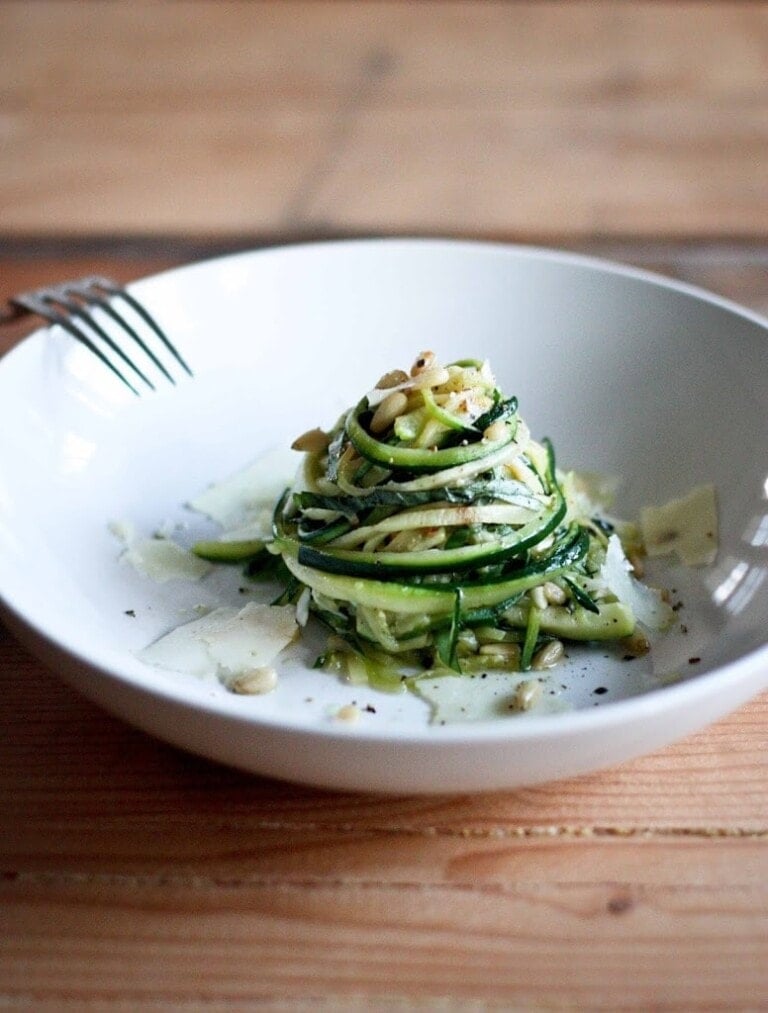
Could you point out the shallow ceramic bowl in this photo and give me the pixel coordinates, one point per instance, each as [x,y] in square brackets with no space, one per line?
[629,374]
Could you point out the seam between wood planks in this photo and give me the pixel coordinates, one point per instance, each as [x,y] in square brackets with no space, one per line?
[503,833]
[500,833]
[522,887]
[730,249]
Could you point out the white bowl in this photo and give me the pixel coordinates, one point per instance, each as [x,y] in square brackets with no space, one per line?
[628,373]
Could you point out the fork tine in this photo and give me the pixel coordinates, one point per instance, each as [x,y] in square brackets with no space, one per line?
[35,304]
[75,305]
[106,285]
[82,290]
[58,295]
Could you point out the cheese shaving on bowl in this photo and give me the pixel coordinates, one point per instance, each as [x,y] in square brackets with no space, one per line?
[229,644]
[685,526]
[646,603]
[159,559]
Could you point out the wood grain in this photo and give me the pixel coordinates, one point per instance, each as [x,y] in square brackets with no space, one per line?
[525,119]
[519,943]
[133,876]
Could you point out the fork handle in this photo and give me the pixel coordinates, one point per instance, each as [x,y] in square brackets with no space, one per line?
[13,312]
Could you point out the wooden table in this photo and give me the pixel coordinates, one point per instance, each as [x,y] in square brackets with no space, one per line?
[137,877]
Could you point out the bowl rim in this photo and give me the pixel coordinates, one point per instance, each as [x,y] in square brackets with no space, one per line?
[656,700]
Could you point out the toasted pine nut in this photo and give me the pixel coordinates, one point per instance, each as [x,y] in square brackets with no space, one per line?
[467,643]
[503,652]
[311,442]
[496,431]
[431,378]
[490,635]
[423,362]
[349,713]
[547,656]
[527,694]
[389,409]
[391,379]
[636,644]
[554,593]
[539,597]
[635,560]
[255,682]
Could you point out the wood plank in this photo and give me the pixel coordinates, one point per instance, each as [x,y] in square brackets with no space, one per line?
[196,849]
[600,946]
[527,120]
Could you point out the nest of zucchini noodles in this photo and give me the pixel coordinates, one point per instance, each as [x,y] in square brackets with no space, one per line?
[431,533]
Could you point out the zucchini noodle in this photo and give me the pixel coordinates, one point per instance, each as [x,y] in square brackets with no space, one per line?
[430,532]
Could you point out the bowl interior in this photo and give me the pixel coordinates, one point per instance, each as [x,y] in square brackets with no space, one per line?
[629,375]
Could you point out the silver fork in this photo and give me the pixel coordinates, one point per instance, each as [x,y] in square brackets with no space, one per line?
[71,305]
